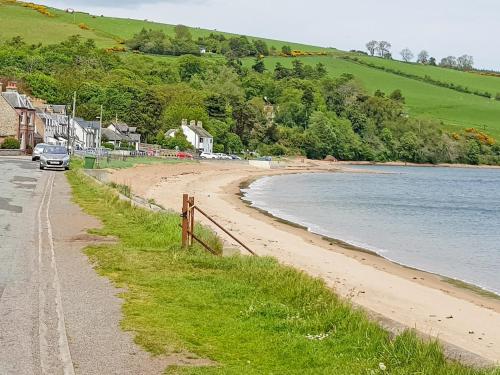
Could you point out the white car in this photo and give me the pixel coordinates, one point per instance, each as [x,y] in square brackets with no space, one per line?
[223,156]
[208,155]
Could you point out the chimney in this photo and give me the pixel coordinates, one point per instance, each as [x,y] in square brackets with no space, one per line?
[199,124]
[192,123]
[12,86]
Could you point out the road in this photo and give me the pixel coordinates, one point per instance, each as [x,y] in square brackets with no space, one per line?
[56,315]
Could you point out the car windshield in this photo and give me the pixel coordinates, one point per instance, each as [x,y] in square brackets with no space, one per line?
[39,147]
[54,150]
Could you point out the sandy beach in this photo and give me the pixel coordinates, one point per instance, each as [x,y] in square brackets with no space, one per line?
[466,322]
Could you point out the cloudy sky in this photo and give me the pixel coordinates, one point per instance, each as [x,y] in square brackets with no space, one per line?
[443,27]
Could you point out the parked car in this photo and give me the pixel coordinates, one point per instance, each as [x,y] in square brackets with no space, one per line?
[235,157]
[184,155]
[208,155]
[37,151]
[223,156]
[54,157]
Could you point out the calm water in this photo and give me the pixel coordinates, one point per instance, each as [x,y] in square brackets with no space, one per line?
[441,220]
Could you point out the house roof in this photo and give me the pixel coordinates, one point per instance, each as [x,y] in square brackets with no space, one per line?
[199,131]
[114,136]
[84,124]
[17,100]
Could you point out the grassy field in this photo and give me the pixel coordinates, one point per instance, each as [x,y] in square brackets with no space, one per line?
[107,31]
[36,28]
[456,110]
[248,315]
[473,81]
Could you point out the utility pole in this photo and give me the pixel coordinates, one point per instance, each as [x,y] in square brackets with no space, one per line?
[67,129]
[73,122]
[99,137]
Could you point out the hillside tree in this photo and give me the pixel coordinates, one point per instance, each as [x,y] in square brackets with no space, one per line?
[384,48]
[448,62]
[182,32]
[465,62]
[423,57]
[286,50]
[407,55]
[372,46]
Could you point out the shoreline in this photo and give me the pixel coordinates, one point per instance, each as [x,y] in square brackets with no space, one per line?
[458,283]
[386,290]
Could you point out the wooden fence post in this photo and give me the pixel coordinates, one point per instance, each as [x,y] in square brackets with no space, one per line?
[185,220]
[191,220]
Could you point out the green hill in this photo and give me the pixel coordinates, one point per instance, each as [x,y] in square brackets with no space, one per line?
[455,109]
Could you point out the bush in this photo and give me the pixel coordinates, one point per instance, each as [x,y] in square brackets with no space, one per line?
[10,144]
[109,146]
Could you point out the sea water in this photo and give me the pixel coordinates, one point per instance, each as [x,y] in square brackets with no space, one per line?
[441,220]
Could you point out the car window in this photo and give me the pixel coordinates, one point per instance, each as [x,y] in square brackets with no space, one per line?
[54,150]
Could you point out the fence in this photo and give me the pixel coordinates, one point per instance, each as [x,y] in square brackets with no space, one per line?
[188,221]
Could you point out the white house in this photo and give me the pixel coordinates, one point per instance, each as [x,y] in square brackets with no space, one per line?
[201,140]
[85,133]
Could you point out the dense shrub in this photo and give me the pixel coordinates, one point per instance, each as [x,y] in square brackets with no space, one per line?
[10,144]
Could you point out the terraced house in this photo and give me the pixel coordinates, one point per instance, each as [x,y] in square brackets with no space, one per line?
[17,117]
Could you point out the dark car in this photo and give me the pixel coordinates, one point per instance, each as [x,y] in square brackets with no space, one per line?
[54,157]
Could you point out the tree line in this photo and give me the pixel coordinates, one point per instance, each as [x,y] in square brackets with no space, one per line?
[284,109]
[383,49]
[182,43]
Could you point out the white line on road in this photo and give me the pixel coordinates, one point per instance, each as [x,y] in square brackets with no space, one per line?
[64,352]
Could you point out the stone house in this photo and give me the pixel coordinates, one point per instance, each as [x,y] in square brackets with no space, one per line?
[18,121]
[119,133]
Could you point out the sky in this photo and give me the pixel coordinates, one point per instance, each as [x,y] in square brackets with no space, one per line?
[442,27]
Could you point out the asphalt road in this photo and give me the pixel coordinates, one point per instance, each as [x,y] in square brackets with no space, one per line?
[57,316]
[20,181]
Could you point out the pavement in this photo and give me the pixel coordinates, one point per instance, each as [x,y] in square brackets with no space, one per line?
[57,316]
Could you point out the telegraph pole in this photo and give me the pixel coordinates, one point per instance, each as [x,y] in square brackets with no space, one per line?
[99,137]
[73,122]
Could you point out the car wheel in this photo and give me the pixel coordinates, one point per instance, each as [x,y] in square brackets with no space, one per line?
[66,168]
[42,168]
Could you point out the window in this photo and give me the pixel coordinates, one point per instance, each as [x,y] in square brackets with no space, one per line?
[201,140]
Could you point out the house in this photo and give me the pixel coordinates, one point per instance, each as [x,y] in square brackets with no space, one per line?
[86,133]
[119,133]
[201,140]
[54,121]
[17,117]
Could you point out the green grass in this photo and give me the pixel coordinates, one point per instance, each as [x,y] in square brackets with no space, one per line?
[132,162]
[456,110]
[36,28]
[107,31]
[249,315]
[473,81]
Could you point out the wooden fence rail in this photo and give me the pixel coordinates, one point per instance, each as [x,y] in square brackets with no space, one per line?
[188,209]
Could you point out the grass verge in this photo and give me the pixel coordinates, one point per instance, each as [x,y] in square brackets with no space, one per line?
[131,162]
[249,315]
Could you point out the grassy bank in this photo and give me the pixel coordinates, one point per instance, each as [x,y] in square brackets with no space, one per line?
[131,162]
[249,315]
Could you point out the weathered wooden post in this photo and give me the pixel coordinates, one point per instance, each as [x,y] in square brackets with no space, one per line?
[191,220]
[185,220]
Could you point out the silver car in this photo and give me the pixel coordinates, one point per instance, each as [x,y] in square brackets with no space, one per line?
[54,157]
[38,150]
